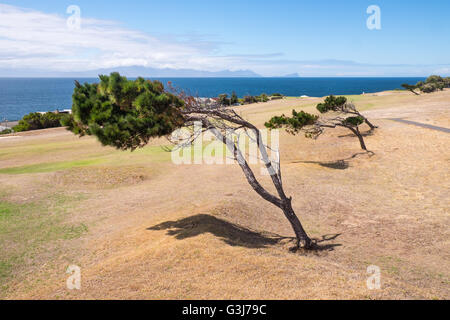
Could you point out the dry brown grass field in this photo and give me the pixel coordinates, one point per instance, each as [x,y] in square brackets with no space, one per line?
[141,227]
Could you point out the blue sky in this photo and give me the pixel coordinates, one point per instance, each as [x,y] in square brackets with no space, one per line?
[312,38]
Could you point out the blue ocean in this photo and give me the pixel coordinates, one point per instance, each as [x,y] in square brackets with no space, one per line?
[20,96]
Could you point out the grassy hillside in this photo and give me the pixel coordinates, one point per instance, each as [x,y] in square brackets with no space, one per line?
[142,227]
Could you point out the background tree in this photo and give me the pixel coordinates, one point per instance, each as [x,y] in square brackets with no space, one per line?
[313,126]
[264,98]
[126,114]
[276,96]
[234,98]
[224,100]
[344,108]
[37,121]
[447,82]
[410,88]
[250,100]
[431,84]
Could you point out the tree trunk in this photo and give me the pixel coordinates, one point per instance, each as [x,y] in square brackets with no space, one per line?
[360,137]
[284,203]
[372,127]
[361,140]
[303,240]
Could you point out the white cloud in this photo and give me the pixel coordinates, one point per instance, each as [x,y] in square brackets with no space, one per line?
[37,40]
[30,38]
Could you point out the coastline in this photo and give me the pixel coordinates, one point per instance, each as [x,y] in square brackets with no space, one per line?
[288,103]
[12,123]
[7,124]
[56,93]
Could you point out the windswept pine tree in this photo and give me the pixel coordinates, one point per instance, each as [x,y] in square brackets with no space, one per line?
[126,114]
[431,84]
[342,114]
[411,88]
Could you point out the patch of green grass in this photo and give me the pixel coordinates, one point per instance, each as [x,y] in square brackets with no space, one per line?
[153,153]
[72,232]
[354,98]
[38,149]
[5,269]
[25,229]
[391,264]
[50,167]
[160,154]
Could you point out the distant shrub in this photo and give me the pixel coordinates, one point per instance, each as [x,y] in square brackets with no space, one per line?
[38,121]
[263,97]
[277,95]
[342,114]
[430,87]
[410,88]
[224,100]
[447,82]
[234,98]
[434,79]
[432,83]
[293,124]
[250,99]
[6,131]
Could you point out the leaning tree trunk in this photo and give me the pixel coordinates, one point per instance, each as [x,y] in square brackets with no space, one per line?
[282,202]
[360,137]
[372,127]
[303,240]
[370,124]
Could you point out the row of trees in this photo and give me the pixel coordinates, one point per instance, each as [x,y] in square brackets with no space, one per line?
[225,100]
[340,113]
[431,84]
[126,114]
[37,121]
[6,131]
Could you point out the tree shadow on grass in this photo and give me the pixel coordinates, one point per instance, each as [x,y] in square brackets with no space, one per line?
[230,233]
[341,164]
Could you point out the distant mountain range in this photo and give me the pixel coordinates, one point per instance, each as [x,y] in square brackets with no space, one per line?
[292,75]
[134,71]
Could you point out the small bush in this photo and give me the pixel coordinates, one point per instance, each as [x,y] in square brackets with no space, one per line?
[250,99]
[431,84]
[6,131]
[234,98]
[354,121]
[447,82]
[224,100]
[429,88]
[263,97]
[292,124]
[37,121]
[434,79]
